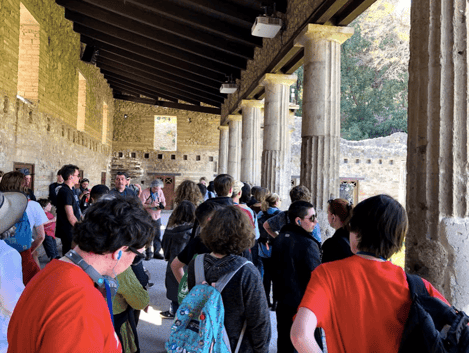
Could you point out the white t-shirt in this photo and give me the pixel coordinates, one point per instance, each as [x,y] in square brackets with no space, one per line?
[11,287]
[36,216]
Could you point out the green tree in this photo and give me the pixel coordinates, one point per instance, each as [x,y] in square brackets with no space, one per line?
[373,104]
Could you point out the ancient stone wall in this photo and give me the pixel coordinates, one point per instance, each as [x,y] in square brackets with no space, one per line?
[42,130]
[375,165]
[134,146]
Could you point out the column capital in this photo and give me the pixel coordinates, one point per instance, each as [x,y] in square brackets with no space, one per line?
[322,32]
[251,103]
[279,79]
[235,117]
[223,127]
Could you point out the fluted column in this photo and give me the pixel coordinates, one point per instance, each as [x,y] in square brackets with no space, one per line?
[437,245]
[234,146]
[277,96]
[320,130]
[250,153]
[223,150]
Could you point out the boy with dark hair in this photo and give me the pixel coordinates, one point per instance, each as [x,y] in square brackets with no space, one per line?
[275,224]
[223,184]
[75,316]
[295,254]
[68,208]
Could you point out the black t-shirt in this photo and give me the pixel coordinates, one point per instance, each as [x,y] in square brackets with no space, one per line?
[126,193]
[53,191]
[66,197]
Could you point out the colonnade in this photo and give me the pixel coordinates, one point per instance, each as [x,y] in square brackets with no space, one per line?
[241,154]
[437,245]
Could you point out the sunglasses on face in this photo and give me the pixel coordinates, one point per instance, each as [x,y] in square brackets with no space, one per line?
[136,252]
[312,219]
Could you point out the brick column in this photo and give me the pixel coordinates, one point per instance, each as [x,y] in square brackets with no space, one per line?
[437,245]
[223,150]
[277,96]
[250,151]
[234,146]
[320,131]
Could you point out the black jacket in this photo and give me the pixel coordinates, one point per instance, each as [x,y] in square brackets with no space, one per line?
[337,247]
[174,240]
[243,300]
[295,254]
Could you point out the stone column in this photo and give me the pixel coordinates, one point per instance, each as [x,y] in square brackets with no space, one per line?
[321,111]
[223,150]
[276,115]
[234,145]
[250,161]
[437,245]
[288,160]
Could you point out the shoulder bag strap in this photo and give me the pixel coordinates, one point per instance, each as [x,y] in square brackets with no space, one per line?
[199,269]
[416,285]
[223,280]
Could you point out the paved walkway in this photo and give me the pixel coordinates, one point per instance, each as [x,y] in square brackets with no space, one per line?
[152,329]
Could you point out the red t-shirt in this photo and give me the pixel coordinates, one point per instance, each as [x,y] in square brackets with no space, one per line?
[361,304]
[49,228]
[61,311]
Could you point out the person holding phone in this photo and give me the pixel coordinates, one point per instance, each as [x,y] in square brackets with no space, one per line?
[153,201]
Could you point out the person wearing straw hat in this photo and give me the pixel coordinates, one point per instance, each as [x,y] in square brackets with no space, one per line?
[12,208]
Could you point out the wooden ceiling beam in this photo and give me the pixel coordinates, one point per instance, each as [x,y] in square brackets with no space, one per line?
[353,10]
[126,88]
[124,56]
[180,94]
[163,84]
[199,20]
[136,49]
[123,64]
[155,93]
[166,41]
[131,11]
[171,52]
[180,106]
[193,108]
[219,8]
[134,99]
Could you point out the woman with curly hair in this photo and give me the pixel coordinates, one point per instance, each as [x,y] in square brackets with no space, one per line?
[188,190]
[228,233]
[337,247]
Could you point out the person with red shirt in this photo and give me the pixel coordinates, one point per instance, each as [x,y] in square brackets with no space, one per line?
[72,314]
[362,302]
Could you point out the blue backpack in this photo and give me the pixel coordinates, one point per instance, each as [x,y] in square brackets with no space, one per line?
[20,235]
[199,322]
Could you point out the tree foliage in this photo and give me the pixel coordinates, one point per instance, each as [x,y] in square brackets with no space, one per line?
[374,73]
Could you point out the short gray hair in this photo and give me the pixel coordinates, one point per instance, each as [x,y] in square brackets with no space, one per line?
[157,182]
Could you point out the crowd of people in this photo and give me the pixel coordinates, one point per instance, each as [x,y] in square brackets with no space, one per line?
[344,289]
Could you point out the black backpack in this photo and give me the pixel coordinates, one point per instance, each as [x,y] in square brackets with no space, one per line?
[432,325]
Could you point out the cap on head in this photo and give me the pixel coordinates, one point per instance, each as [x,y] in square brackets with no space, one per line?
[25,171]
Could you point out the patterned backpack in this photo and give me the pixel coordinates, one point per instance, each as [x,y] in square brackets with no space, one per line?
[199,322]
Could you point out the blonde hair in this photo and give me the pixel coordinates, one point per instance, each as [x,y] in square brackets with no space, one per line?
[269,201]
